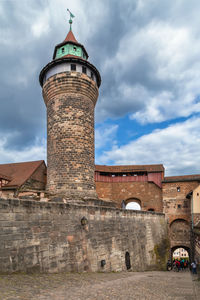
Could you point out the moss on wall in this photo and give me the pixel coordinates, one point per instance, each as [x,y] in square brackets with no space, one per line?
[161,251]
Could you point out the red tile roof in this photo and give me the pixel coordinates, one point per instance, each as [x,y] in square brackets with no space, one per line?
[70,37]
[195,177]
[130,168]
[19,172]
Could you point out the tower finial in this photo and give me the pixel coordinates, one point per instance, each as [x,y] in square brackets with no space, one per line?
[70,20]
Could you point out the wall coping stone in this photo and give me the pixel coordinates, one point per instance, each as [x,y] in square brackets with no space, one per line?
[61,205]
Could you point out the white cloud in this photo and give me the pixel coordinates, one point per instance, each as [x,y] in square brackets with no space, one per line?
[177,147]
[37,151]
[162,57]
[105,135]
[41,24]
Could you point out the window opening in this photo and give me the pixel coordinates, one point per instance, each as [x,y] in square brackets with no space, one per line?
[127,260]
[178,189]
[73,67]
[84,70]
[92,75]
[63,50]
[179,206]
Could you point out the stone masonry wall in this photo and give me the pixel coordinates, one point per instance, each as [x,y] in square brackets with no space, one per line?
[49,237]
[70,98]
[149,194]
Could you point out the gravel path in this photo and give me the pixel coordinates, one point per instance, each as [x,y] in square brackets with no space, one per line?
[91,286]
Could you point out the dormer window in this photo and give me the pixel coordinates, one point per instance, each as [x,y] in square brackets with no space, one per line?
[63,50]
[74,48]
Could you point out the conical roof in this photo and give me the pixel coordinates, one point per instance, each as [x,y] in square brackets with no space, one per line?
[70,37]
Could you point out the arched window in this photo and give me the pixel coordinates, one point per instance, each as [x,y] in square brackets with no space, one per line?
[133,205]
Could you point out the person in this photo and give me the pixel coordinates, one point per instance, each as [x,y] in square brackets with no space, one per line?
[194,267]
[178,265]
[182,264]
[169,265]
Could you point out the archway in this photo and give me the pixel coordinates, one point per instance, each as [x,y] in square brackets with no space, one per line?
[179,231]
[133,204]
[181,252]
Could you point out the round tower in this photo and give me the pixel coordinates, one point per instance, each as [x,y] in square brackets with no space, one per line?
[70,91]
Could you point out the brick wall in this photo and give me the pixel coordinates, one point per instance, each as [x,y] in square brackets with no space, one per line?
[177,209]
[149,194]
[49,237]
[70,98]
[175,203]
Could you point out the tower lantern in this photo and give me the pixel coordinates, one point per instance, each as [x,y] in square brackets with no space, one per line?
[70,91]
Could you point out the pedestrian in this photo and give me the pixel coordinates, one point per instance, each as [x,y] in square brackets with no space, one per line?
[178,265]
[194,267]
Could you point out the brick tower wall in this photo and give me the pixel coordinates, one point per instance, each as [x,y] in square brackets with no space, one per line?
[70,98]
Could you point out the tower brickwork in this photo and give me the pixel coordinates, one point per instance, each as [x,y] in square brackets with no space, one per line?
[70,91]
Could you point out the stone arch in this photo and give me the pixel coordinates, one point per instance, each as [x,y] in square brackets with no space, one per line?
[181,246]
[133,201]
[179,233]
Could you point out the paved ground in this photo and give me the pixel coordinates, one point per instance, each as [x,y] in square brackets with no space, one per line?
[91,286]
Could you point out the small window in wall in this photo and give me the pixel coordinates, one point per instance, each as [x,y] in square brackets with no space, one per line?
[197,194]
[127,261]
[63,50]
[179,206]
[178,189]
[92,76]
[74,48]
[84,70]
[151,209]
[73,67]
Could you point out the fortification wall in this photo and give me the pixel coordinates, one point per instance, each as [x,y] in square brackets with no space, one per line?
[149,194]
[49,237]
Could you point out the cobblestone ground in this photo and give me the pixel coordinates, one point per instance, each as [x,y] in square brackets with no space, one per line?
[91,286]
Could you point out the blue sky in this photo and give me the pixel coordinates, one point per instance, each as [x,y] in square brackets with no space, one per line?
[148,54]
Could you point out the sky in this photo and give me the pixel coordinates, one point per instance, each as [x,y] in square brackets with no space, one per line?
[148,55]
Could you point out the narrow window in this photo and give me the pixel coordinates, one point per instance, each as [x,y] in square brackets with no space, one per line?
[92,76]
[84,70]
[63,50]
[127,261]
[178,189]
[197,194]
[74,48]
[179,206]
[73,67]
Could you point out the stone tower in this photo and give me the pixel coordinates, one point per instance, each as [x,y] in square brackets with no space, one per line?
[70,91]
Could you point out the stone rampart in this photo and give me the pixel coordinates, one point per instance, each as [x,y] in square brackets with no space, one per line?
[49,237]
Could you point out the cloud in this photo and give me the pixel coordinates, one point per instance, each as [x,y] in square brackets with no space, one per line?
[105,136]
[36,151]
[159,53]
[146,51]
[177,147]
